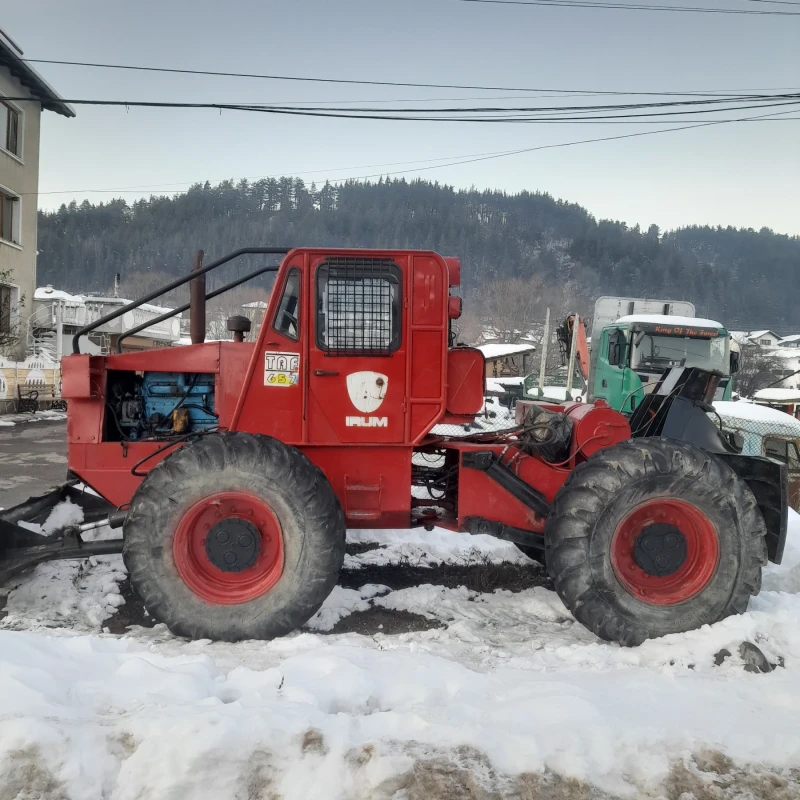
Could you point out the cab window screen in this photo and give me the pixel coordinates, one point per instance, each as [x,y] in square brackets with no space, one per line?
[287,317]
[358,306]
[776,448]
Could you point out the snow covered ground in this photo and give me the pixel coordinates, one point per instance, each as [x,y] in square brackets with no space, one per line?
[9,420]
[502,696]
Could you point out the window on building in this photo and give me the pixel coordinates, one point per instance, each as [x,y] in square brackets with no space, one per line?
[287,317]
[6,297]
[766,342]
[10,128]
[358,306]
[9,217]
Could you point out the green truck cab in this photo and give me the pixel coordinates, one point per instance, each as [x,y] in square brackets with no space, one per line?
[637,349]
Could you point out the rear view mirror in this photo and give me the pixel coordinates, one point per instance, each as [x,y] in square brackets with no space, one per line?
[734,362]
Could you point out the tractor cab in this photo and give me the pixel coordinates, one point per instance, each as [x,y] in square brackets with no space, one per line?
[354,349]
[636,351]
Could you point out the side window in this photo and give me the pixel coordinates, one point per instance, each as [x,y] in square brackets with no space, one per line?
[616,342]
[777,449]
[794,456]
[358,306]
[287,317]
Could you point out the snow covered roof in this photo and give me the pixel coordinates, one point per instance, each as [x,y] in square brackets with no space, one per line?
[759,334]
[256,304]
[121,301]
[491,351]
[777,395]
[45,293]
[49,293]
[509,381]
[795,337]
[737,415]
[557,394]
[666,319]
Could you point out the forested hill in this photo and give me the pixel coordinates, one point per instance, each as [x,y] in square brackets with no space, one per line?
[747,278]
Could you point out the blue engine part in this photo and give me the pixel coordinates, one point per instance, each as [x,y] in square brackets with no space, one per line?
[162,392]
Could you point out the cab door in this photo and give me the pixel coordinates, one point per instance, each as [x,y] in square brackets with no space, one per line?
[357,355]
[609,378]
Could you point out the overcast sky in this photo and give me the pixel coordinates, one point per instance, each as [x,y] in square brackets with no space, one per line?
[743,174]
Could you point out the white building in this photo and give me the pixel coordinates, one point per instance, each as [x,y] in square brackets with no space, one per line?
[764,338]
[58,315]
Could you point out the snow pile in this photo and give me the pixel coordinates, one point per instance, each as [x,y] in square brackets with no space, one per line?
[508,698]
[420,548]
[64,514]
[80,595]
[358,717]
[340,603]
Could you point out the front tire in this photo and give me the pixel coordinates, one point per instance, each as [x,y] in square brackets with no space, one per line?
[652,537]
[234,536]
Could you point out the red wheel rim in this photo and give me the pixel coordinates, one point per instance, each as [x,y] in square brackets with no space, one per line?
[700,543]
[240,512]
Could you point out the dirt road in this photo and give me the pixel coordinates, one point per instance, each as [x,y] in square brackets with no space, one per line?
[32,459]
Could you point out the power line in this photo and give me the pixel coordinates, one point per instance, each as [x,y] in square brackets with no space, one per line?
[631,7]
[503,154]
[386,115]
[303,79]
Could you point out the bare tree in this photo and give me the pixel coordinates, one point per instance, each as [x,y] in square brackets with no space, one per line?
[137,284]
[244,301]
[468,328]
[758,369]
[510,307]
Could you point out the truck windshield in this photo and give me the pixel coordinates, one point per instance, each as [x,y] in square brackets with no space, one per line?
[675,351]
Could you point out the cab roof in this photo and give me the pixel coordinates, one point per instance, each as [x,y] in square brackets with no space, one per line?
[666,319]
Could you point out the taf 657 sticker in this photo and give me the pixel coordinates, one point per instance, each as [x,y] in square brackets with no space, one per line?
[281,369]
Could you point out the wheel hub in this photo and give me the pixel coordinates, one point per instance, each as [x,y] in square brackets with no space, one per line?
[228,548]
[660,549]
[232,545]
[665,551]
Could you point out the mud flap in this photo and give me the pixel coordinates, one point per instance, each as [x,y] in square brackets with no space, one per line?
[769,482]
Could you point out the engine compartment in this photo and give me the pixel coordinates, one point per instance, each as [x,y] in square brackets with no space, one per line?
[157,405]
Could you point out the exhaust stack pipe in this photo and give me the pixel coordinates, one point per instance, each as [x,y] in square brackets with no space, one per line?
[197,302]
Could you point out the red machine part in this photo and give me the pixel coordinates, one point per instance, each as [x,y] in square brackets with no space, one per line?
[465,381]
[595,426]
[701,551]
[200,524]
[480,496]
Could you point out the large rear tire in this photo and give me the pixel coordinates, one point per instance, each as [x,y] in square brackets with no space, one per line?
[234,536]
[651,537]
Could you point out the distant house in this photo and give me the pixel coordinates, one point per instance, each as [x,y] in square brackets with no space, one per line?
[508,360]
[764,338]
[57,316]
[28,94]
[792,341]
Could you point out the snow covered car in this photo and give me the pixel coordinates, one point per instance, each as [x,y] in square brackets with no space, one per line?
[766,432]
